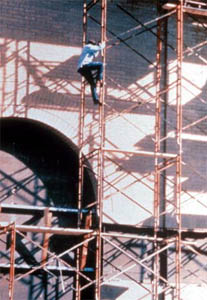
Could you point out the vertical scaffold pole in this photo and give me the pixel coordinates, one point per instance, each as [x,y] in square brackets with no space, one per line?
[101,159]
[160,260]
[46,238]
[12,262]
[81,156]
[179,142]
[82,121]
[157,173]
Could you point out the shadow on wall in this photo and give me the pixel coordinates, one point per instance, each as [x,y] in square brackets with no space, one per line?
[60,23]
[113,291]
[194,146]
[51,155]
[63,80]
[188,221]
[53,159]
[63,14]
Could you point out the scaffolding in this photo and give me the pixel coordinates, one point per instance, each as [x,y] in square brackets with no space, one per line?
[162,243]
[160,239]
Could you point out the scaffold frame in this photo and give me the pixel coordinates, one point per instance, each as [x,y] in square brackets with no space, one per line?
[159,237]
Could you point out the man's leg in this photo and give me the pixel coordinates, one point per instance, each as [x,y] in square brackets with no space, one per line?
[97,66]
[87,73]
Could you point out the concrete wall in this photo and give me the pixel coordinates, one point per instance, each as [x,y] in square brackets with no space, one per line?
[40,42]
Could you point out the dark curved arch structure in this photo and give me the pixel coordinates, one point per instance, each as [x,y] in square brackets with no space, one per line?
[55,160]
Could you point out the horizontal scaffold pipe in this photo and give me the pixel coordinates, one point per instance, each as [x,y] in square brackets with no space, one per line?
[52,230]
[195,11]
[142,153]
[24,267]
[32,209]
[190,7]
[131,236]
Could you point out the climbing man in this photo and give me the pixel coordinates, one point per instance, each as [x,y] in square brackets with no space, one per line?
[86,66]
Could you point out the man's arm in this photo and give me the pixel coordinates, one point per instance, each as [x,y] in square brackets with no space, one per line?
[102,45]
[98,47]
